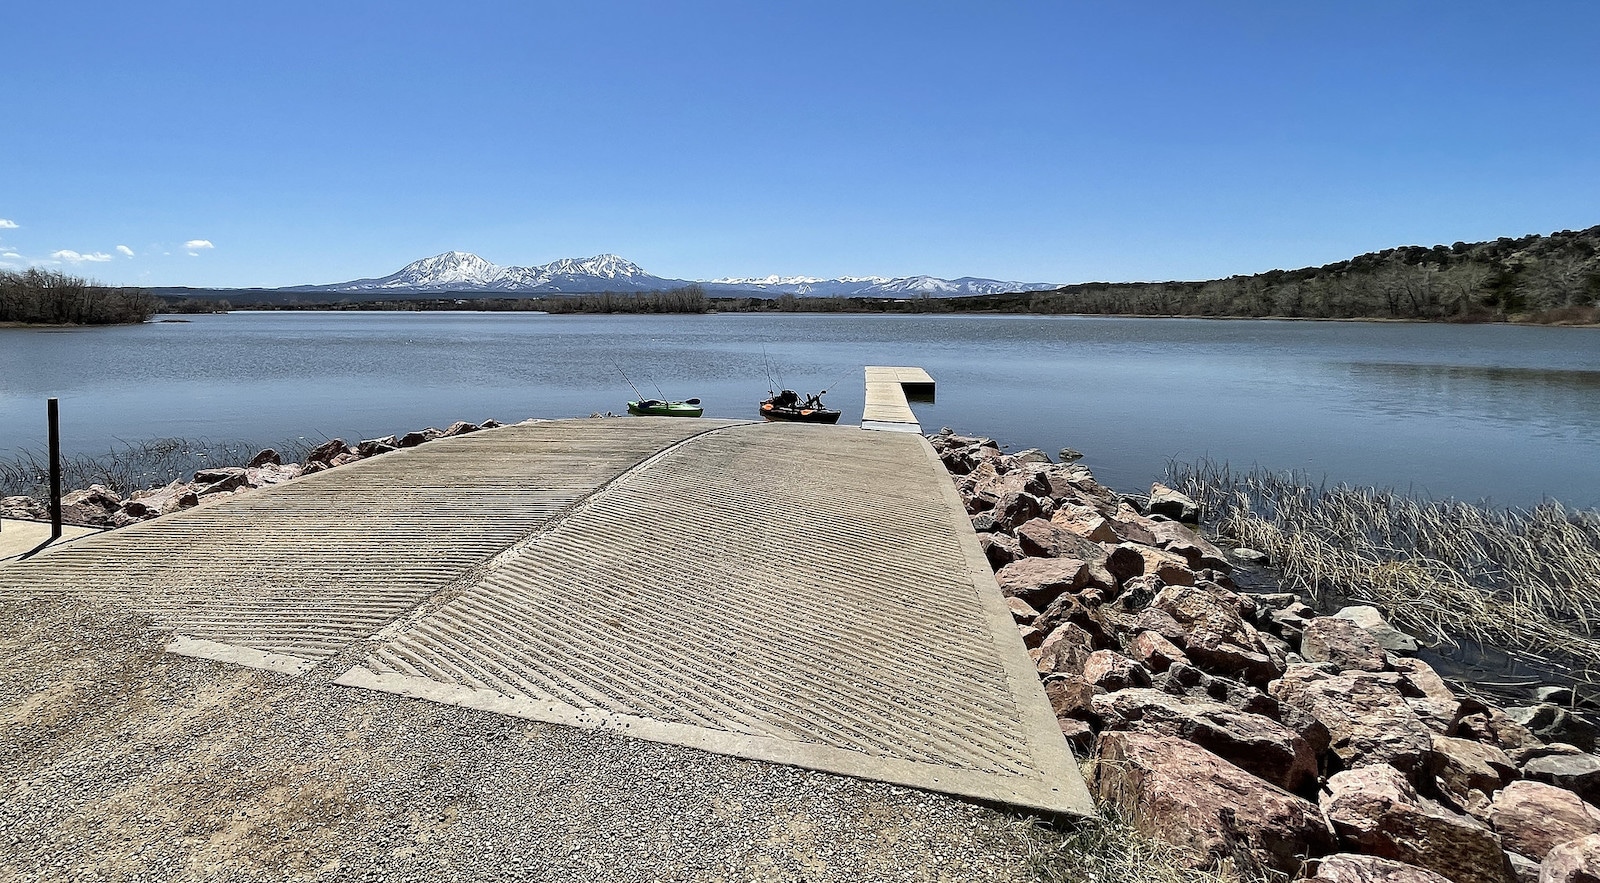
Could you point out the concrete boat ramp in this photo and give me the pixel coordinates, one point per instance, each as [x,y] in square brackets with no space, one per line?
[805,595]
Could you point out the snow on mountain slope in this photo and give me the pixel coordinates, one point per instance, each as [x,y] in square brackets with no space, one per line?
[466,272]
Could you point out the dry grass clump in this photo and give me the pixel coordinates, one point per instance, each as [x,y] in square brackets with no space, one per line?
[1524,580]
[1112,851]
[134,466]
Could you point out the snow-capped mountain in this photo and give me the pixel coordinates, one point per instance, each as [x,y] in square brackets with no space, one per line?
[465,272]
[873,286]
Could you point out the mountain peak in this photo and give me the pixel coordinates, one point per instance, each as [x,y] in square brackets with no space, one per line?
[464,271]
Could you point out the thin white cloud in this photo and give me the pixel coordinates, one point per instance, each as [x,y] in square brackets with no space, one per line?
[10,254]
[72,257]
[125,250]
[7,225]
[193,246]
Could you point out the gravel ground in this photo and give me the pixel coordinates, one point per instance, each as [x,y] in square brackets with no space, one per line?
[121,762]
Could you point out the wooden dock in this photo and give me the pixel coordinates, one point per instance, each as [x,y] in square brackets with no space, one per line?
[806,595]
[887,407]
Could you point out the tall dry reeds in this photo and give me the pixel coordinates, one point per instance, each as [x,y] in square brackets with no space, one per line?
[1526,581]
[133,466]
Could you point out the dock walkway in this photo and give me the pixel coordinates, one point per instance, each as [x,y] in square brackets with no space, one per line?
[887,407]
[800,594]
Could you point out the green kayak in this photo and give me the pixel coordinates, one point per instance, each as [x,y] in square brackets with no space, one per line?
[658,408]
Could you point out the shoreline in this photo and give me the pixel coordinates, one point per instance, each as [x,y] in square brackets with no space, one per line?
[1247,725]
[1380,320]
[1160,649]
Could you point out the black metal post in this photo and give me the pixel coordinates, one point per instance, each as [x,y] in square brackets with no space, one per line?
[55,470]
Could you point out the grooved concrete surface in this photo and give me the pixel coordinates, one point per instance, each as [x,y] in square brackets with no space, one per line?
[301,569]
[806,595]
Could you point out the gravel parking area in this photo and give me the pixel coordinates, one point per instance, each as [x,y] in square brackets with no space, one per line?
[121,762]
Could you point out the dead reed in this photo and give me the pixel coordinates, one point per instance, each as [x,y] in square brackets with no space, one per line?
[1111,850]
[1526,581]
[133,465]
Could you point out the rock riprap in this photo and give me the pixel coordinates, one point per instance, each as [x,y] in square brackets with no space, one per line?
[1250,728]
[99,506]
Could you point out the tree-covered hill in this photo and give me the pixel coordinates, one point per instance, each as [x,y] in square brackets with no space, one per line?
[1553,278]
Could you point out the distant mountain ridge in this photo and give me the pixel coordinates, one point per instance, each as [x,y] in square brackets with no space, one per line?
[466,272]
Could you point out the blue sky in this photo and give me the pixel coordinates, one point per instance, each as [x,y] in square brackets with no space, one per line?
[281,143]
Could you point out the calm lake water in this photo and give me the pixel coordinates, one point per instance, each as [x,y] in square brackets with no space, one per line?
[1511,414]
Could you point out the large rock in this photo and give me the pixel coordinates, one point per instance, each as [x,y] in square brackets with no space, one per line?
[1364,713]
[26,508]
[1065,649]
[1577,861]
[1422,679]
[262,476]
[96,496]
[1040,580]
[1070,695]
[1180,540]
[1131,526]
[1467,772]
[1077,609]
[1375,809]
[1021,611]
[1218,638]
[1251,742]
[1110,670]
[221,481]
[1533,818]
[1125,563]
[1578,773]
[96,506]
[166,500]
[1170,567]
[1168,502]
[1000,548]
[1495,727]
[372,447]
[267,457]
[1552,723]
[1047,539]
[1341,642]
[1014,509]
[420,436]
[1349,868]
[325,452]
[1085,522]
[1155,652]
[1371,619]
[1161,622]
[1178,792]
[460,427]
[1183,679]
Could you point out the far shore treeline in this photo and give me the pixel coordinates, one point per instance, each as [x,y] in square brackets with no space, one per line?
[1545,279]
[44,297]
[1551,279]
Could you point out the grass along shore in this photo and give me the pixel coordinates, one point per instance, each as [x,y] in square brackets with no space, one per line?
[1522,581]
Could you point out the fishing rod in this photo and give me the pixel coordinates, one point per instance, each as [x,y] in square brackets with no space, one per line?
[836,380]
[629,380]
[767,367]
